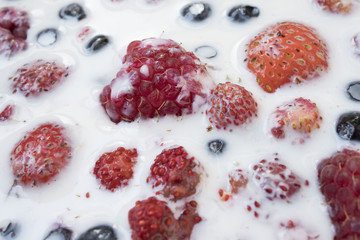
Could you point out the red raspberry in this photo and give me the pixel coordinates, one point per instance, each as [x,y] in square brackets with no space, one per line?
[6,113]
[336,6]
[14,24]
[115,169]
[176,171]
[230,104]
[152,219]
[37,77]
[339,179]
[41,154]
[158,78]
[276,179]
[286,52]
[300,115]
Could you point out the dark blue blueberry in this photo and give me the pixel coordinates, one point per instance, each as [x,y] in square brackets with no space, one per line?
[102,232]
[97,43]
[47,37]
[10,231]
[216,146]
[354,90]
[206,52]
[242,13]
[348,126]
[72,11]
[196,12]
[59,233]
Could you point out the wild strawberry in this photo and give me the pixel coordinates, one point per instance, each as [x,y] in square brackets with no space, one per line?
[6,113]
[286,52]
[152,219]
[37,77]
[41,154]
[339,178]
[115,169]
[336,6]
[300,115]
[158,78]
[230,104]
[14,24]
[276,179]
[176,172]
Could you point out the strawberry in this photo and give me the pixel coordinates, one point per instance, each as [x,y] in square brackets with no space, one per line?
[339,179]
[41,154]
[152,219]
[14,25]
[6,113]
[175,171]
[158,78]
[37,77]
[336,6]
[115,169]
[300,115]
[276,179]
[230,104]
[286,52]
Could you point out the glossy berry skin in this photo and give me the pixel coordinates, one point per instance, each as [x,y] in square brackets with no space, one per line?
[336,6]
[216,146]
[287,52]
[300,115]
[41,154]
[242,13]
[60,233]
[101,232]
[72,11]
[97,43]
[35,78]
[230,105]
[152,219]
[14,25]
[348,126]
[339,181]
[196,12]
[276,179]
[354,90]
[158,78]
[115,169]
[176,172]
[6,113]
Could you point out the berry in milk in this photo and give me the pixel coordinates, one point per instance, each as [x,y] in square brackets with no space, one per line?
[225,160]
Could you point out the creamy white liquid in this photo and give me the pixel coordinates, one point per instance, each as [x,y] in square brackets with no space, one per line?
[75,103]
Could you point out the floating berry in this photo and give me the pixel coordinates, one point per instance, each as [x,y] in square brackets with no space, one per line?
[72,11]
[60,233]
[47,37]
[97,43]
[336,6]
[348,126]
[101,232]
[242,13]
[6,113]
[196,12]
[354,90]
[216,146]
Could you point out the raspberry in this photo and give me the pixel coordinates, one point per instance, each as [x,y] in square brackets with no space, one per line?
[37,77]
[339,179]
[14,24]
[230,104]
[336,6]
[158,78]
[286,52]
[41,154]
[115,169]
[176,172]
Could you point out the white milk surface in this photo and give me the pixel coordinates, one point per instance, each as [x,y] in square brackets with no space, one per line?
[75,103]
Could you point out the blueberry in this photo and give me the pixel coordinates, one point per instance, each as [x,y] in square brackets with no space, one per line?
[242,13]
[97,43]
[216,146]
[72,11]
[47,37]
[354,90]
[59,233]
[101,232]
[348,126]
[10,230]
[206,52]
[196,12]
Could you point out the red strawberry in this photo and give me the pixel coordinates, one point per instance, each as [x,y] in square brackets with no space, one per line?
[276,179]
[115,169]
[6,113]
[339,178]
[158,78]
[230,104]
[14,24]
[336,6]
[152,219]
[300,115]
[41,154]
[286,52]
[175,170]
[37,77]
